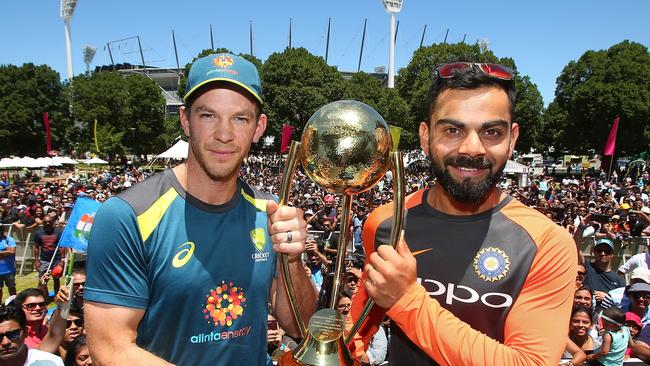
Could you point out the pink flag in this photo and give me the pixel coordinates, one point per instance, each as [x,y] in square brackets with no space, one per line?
[611,140]
[287,131]
[48,143]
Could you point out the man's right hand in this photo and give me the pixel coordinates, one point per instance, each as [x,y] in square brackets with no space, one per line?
[62,297]
[311,246]
[45,278]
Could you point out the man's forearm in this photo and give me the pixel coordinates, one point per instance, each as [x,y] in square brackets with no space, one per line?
[131,355]
[55,334]
[304,291]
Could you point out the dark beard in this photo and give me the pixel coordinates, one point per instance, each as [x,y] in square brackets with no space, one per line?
[466,191]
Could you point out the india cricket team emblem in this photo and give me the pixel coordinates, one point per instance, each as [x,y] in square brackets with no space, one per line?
[491,264]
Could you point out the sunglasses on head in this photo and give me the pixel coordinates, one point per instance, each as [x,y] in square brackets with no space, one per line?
[79,284]
[78,322]
[12,335]
[448,71]
[33,305]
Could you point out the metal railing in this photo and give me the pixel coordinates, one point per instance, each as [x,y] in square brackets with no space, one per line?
[624,249]
[24,244]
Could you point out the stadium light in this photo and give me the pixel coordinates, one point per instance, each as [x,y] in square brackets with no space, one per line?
[89,54]
[392,7]
[67,8]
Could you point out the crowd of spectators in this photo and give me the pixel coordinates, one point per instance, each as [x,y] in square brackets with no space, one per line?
[610,213]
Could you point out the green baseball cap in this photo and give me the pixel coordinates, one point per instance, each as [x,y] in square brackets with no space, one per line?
[224,67]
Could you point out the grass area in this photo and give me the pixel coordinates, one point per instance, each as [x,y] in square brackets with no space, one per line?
[27,280]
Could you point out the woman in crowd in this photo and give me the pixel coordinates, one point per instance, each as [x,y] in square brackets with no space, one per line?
[579,327]
[78,354]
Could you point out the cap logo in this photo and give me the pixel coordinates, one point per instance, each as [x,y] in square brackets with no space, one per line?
[223,61]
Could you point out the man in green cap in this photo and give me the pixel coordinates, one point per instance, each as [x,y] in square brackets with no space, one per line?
[182,267]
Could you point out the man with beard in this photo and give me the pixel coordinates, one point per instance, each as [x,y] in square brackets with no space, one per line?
[192,250]
[478,278]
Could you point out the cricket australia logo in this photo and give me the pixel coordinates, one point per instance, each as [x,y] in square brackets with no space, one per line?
[491,264]
[223,61]
[258,238]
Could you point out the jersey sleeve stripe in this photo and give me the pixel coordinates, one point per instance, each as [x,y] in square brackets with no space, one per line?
[259,203]
[149,219]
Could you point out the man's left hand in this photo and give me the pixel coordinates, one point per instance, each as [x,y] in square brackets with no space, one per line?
[390,273]
[287,228]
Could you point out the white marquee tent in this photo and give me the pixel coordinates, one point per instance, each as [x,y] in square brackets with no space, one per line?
[27,162]
[95,160]
[178,151]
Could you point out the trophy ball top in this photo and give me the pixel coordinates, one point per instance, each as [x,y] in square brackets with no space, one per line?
[345,147]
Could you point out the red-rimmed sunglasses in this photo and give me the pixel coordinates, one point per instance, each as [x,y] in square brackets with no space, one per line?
[448,71]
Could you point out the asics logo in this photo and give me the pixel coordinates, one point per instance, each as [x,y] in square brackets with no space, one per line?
[453,292]
[184,255]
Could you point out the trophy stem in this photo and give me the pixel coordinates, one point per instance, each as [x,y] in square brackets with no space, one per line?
[285,188]
[398,197]
[346,208]
[395,230]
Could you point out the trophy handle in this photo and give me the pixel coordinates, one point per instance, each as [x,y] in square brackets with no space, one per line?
[344,234]
[395,230]
[285,188]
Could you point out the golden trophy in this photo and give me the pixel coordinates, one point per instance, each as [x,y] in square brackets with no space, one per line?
[346,149]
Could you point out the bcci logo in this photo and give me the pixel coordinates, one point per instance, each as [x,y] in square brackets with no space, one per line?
[223,61]
[491,264]
[82,230]
[224,304]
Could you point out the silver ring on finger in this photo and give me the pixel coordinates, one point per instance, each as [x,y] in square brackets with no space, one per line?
[289,237]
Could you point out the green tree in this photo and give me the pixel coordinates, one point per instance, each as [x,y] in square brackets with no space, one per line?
[132,106]
[144,116]
[295,84]
[368,89]
[102,97]
[595,89]
[172,130]
[552,131]
[25,93]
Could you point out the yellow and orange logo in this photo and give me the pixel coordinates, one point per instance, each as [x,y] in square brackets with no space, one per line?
[223,61]
[224,304]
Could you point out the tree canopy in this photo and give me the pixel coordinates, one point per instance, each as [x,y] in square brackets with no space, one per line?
[592,91]
[130,112]
[25,93]
[295,84]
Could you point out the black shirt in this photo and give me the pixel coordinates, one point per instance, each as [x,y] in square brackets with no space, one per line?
[599,280]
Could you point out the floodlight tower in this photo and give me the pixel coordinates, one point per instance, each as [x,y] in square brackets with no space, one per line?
[392,7]
[67,8]
[89,54]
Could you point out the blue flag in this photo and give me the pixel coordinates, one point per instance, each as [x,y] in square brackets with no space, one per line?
[76,232]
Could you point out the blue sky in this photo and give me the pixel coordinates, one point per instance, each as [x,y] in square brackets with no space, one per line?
[541,36]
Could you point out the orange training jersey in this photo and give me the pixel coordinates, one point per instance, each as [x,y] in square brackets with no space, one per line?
[494,288]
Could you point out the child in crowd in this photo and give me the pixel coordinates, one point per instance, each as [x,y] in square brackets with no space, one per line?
[633,323]
[616,339]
